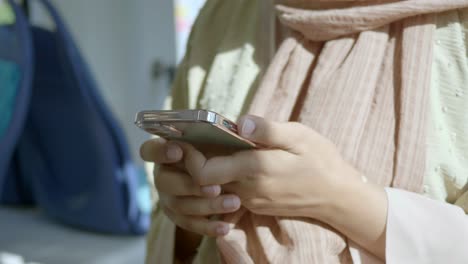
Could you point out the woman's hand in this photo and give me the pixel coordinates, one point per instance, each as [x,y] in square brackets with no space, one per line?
[298,172]
[187,204]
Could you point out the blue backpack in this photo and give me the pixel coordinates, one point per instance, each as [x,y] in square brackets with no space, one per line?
[60,146]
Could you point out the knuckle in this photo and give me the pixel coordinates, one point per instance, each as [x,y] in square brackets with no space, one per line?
[302,133]
[193,209]
[251,164]
[248,204]
[197,177]
[192,189]
[200,208]
[300,128]
[202,178]
[254,203]
[297,125]
[214,205]
[195,173]
[261,166]
[254,171]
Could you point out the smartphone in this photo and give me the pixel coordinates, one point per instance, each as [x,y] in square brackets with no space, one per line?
[197,127]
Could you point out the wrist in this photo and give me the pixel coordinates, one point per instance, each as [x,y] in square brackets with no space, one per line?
[358,210]
[343,195]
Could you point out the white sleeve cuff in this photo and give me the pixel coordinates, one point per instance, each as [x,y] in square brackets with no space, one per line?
[422,230]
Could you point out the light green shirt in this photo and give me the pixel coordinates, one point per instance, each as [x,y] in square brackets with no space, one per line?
[447,142]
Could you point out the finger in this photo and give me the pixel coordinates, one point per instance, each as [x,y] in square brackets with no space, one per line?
[159,151]
[197,224]
[178,165]
[226,169]
[194,161]
[217,170]
[210,191]
[204,206]
[174,182]
[273,134]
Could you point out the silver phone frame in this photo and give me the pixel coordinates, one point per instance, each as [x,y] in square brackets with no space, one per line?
[148,118]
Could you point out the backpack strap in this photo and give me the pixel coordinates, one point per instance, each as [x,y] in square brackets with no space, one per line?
[85,79]
[23,57]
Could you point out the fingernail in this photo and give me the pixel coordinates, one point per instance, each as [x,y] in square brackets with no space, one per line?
[222,230]
[173,152]
[231,203]
[248,127]
[211,190]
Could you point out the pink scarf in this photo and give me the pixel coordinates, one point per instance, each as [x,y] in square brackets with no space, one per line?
[360,75]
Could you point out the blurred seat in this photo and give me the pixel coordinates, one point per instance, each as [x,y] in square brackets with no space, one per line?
[37,239]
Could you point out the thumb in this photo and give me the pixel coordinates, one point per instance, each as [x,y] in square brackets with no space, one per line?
[272,134]
[161,152]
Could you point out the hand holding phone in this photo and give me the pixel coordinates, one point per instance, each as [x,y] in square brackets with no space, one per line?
[211,134]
